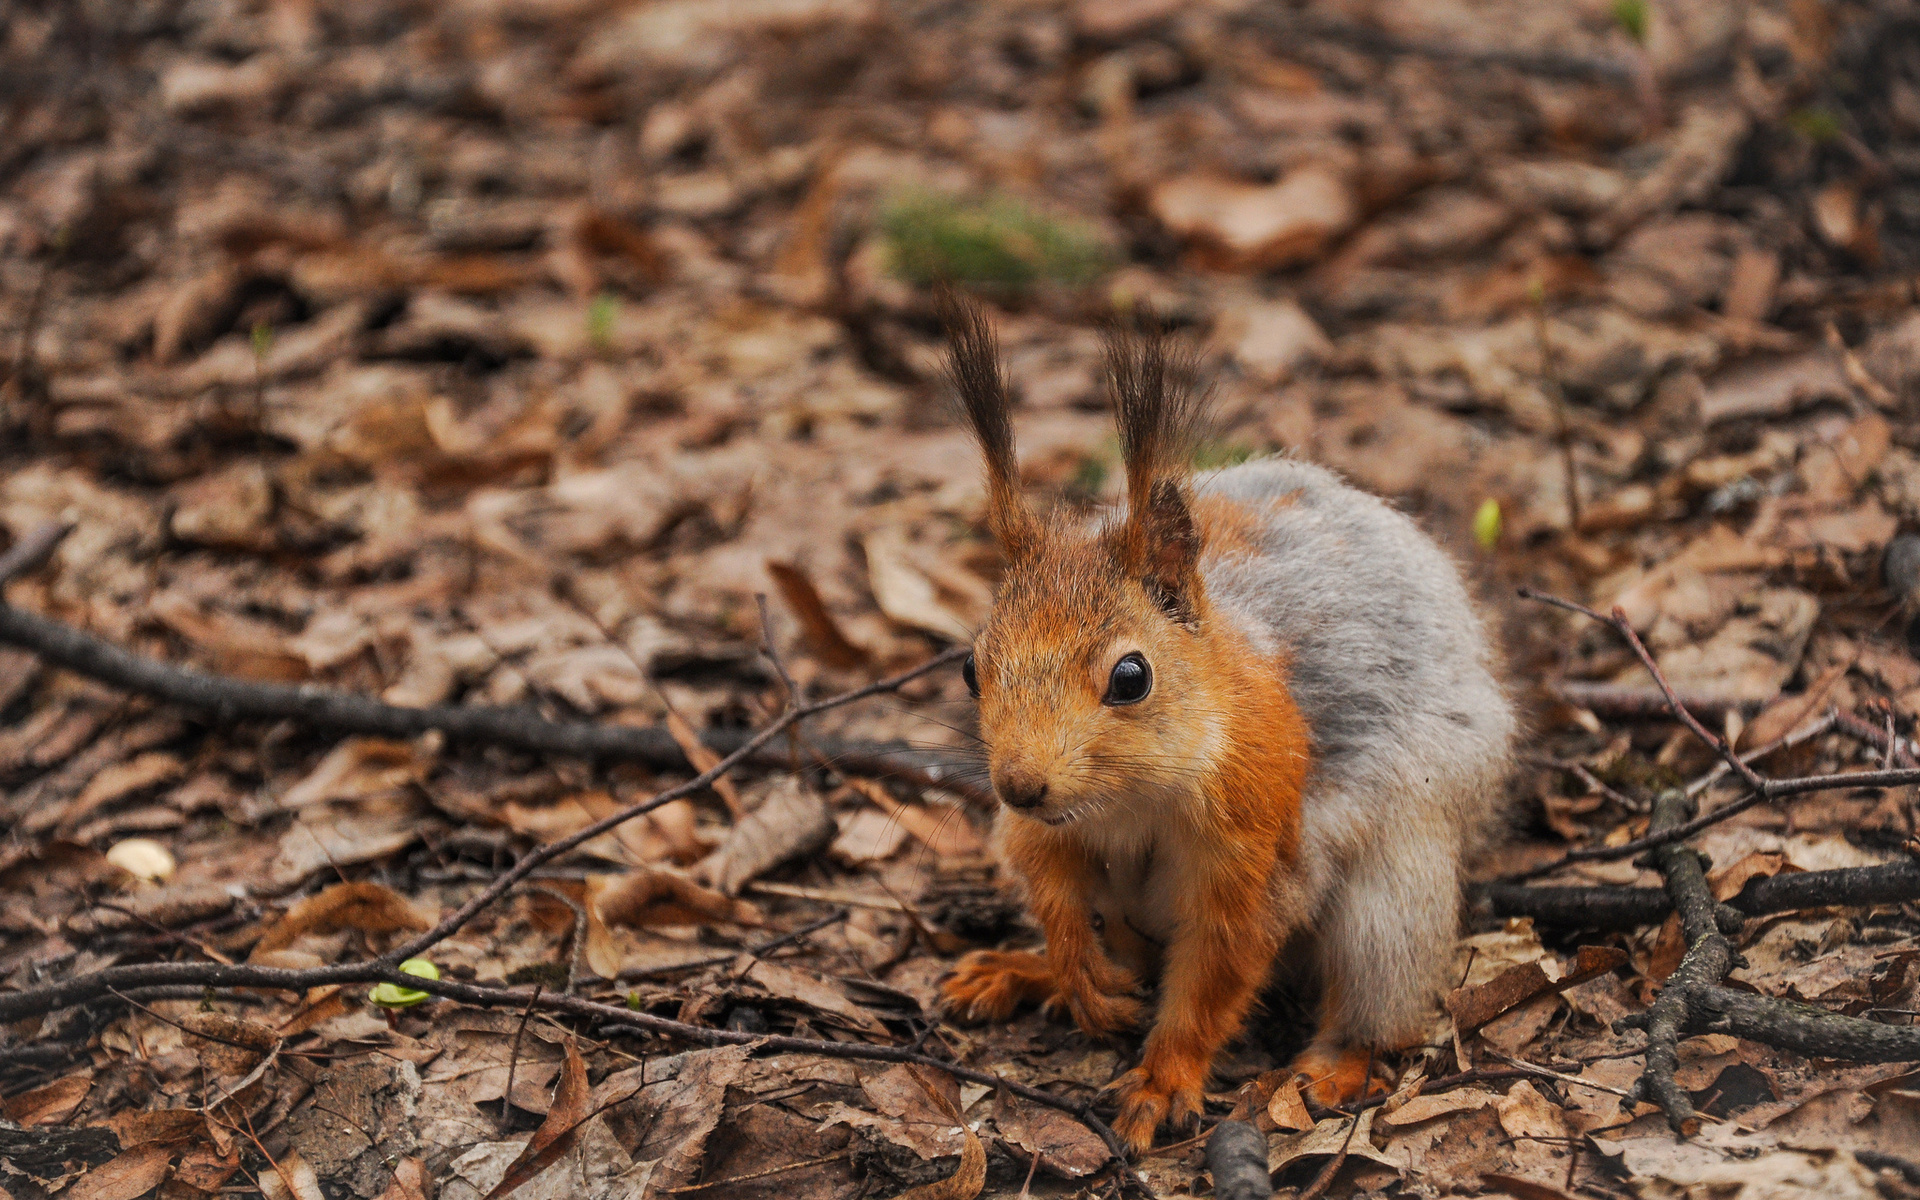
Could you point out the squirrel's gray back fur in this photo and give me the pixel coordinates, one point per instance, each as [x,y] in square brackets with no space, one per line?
[1412,733]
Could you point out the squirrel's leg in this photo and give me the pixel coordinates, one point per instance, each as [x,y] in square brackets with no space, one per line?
[1384,947]
[1214,968]
[1076,973]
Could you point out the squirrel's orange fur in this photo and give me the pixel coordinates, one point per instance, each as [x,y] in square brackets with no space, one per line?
[1159,837]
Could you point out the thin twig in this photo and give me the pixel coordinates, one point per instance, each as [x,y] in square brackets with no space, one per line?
[1763,790]
[513,1060]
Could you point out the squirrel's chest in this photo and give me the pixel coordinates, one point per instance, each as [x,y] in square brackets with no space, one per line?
[1138,899]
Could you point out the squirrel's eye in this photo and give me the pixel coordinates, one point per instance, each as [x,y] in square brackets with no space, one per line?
[1130,682]
[972,676]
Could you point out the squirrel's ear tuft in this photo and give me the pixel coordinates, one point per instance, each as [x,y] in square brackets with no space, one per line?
[973,368]
[1158,408]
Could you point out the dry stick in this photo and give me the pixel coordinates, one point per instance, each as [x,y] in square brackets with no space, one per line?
[1693,1001]
[1611,908]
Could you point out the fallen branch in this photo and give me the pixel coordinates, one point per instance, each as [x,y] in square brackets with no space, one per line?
[1611,908]
[229,700]
[1693,1001]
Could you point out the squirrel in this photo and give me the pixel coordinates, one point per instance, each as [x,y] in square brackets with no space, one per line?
[1251,710]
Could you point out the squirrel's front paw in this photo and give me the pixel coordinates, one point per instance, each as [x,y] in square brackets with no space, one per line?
[988,985]
[1100,1014]
[1147,1099]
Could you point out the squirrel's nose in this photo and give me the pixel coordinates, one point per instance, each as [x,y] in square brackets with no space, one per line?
[1020,789]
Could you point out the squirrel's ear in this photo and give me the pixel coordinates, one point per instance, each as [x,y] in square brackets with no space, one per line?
[973,367]
[1158,409]
[1167,558]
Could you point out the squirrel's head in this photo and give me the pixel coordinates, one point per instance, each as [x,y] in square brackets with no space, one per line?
[1088,671]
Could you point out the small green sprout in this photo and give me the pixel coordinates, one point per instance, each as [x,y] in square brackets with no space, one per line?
[1816,124]
[1486,524]
[1631,15]
[393,995]
[262,339]
[601,313]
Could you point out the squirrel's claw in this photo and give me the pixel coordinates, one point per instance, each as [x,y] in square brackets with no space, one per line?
[1147,1101]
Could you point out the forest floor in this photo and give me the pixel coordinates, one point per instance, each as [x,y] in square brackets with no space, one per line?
[504,351]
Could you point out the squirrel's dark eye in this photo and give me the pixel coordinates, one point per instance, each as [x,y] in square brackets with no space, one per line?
[1130,682]
[972,676]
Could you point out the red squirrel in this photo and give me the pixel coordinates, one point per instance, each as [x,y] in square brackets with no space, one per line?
[1252,709]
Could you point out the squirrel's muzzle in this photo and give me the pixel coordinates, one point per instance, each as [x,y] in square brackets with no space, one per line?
[1020,788]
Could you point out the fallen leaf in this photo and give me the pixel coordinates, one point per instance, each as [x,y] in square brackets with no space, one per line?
[651,896]
[817,625]
[791,822]
[1241,226]
[51,1104]
[905,593]
[971,1175]
[369,907]
[359,767]
[291,1178]
[558,1131]
[1287,1109]
[134,1172]
[941,828]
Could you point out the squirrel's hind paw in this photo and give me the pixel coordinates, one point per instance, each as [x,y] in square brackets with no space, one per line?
[1147,1101]
[1332,1078]
[988,985]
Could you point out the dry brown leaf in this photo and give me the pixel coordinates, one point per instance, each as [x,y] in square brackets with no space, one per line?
[368,907]
[359,767]
[941,828]
[905,593]
[134,1172]
[791,822]
[161,1125]
[655,896]
[122,780]
[971,1175]
[1727,882]
[1065,1146]
[51,1104]
[817,625]
[560,1129]
[803,987]
[1287,1109]
[1426,1108]
[1787,713]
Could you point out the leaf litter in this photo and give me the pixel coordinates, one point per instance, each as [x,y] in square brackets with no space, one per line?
[503,353]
